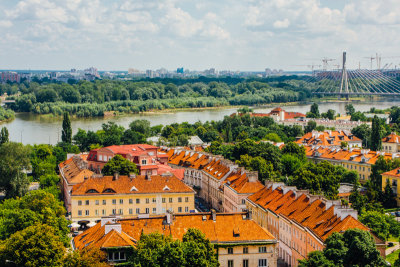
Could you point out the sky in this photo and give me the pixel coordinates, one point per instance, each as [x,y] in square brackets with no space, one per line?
[247,35]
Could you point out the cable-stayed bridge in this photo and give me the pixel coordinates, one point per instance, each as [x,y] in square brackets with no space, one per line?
[346,83]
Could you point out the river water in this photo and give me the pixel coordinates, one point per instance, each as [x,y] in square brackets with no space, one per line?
[36,129]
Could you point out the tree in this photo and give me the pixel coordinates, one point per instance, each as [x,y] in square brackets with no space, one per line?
[14,159]
[140,126]
[314,111]
[376,134]
[363,132]
[294,149]
[311,125]
[350,109]
[353,248]
[36,245]
[377,222]
[330,114]
[119,164]
[66,134]
[4,135]
[86,258]
[358,116]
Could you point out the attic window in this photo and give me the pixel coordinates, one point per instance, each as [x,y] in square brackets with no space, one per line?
[166,188]
[108,190]
[92,191]
[236,232]
[134,188]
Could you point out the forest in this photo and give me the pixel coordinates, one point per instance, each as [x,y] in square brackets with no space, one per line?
[89,99]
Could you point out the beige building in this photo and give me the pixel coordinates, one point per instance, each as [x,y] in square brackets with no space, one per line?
[238,240]
[391,143]
[126,196]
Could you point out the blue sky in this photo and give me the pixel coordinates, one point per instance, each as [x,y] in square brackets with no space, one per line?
[224,34]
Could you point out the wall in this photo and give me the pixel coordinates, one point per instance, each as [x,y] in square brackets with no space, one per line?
[252,256]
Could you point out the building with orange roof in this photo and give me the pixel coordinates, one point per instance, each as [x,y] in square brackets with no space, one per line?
[237,239]
[301,221]
[391,143]
[221,183]
[393,178]
[353,159]
[329,138]
[125,196]
[72,171]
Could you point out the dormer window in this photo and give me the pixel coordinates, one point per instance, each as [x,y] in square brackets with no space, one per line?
[108,190]
[134,188]
[166,188]
[92,191]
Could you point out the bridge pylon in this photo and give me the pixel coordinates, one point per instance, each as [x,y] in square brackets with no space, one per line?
[344,84]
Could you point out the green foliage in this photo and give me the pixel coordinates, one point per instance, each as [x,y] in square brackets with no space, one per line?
[119,164]
[376,134]
[37,245]
[358,116]
[6,114]
[330,114]
[314,111]
[353,248]
[4,135]
[244,110]
[394,115]
[273,137]
[363,132]
[66,134]
[350,109]
[14,159]
[155,250]
[380,224]
[311,125]
[86,258]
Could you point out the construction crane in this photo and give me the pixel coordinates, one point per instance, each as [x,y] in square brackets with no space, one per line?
[372,59]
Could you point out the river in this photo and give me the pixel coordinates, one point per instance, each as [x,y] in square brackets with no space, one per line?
[36,129]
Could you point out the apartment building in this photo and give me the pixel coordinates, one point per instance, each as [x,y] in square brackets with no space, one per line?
[391,143]
[237,239]
[393,178]
[125,196]
[301,221]
[146,157]
[219,182]
[329,138]
[356,159]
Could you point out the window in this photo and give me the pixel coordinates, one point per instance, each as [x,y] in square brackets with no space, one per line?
[147,200]
[121,211]
[100,157]
[163,200]
[116,256]
[121,201]
[147,211]
[144,162]
[130,211]
[87,202]
[179,209]
[262,250]
[243,201]
[154,210]
[97,202]
[179,199]
[130,201]
[104,202]
[245,250]
[230,250]
[138,201]
[262,263]
[137,211]
[186,209]
[79,202]
[103,212]
[230,263]
[170,200]
[96,212]
[246,263]
[186,199]
[114,211]
[154,200]
[114,201]
[79,213]
[87,212]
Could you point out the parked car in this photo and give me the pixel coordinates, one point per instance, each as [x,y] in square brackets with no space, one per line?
[397,213]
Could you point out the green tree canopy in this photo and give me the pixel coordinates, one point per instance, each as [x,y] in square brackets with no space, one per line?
[66,134]
[4,135]
[119,164]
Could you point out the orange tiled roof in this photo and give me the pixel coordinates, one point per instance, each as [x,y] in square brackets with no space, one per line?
[73,172]
[227,228]
[242,185]
[127,185]
[395,172]
[392,138]
[313,215]
[327,138]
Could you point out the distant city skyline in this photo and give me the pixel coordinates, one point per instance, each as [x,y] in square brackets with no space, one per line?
[226,35]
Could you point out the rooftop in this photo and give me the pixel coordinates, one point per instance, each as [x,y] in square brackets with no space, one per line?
[392,138]
[327,138]
[74,169]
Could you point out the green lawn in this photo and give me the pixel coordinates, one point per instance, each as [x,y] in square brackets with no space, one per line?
[392,257]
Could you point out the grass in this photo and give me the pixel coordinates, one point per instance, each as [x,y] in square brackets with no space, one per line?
[393,239]
[392,257]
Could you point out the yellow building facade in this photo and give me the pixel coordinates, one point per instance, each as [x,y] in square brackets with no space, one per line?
[393,178]
[125,196]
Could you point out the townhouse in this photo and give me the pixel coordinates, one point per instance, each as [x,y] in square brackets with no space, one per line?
[393,178]
[301,221]
[360,160]
[125,196]
[237,239]
[222,184]
[330,138]
[391,143]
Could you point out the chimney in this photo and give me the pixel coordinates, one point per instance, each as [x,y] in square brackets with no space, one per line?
[169,218]
[213,215]
[252,176]
[116,176]
[147,177]
[249,215]
[132,175]
[109,227]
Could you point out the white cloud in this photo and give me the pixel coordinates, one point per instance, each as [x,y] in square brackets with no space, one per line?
[281,24]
